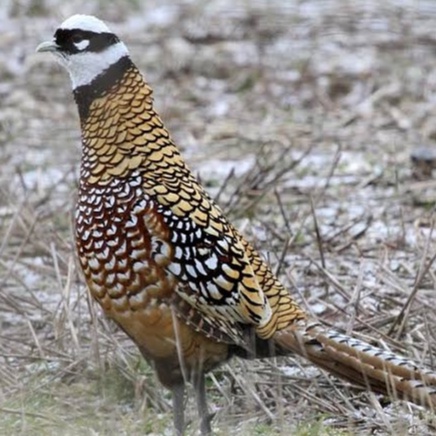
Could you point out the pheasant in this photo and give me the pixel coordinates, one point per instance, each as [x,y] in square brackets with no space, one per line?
[163,261]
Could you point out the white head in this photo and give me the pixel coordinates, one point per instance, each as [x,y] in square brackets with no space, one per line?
[86,47]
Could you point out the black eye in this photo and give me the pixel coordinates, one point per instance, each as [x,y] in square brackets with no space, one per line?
[76,38]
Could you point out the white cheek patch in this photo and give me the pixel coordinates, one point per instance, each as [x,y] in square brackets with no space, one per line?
[85,66]
[82,44]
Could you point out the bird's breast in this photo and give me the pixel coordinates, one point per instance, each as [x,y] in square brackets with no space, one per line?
[122,247]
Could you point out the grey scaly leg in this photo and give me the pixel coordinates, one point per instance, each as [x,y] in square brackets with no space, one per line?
[203,411]
[179,409]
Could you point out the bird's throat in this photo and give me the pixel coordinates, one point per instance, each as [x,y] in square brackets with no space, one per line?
[101,85]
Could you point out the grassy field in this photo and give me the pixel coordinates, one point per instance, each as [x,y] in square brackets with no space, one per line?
[292,113]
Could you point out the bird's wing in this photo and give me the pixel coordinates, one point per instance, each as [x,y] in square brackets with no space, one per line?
[208,259]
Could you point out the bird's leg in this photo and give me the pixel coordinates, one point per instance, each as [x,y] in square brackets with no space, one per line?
[203,411]
[179,409]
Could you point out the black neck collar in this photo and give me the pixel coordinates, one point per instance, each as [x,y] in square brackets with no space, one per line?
[86,94]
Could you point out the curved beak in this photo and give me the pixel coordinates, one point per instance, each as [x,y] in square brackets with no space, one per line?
[47,46]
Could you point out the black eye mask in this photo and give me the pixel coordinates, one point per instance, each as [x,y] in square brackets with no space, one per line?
[67,38]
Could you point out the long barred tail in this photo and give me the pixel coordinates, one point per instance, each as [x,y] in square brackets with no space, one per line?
[361,363]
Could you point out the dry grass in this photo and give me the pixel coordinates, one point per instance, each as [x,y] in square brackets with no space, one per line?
[301,120]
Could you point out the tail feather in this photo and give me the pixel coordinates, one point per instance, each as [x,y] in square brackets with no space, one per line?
[361,363]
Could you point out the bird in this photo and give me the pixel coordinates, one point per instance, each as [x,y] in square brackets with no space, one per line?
[163,261]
